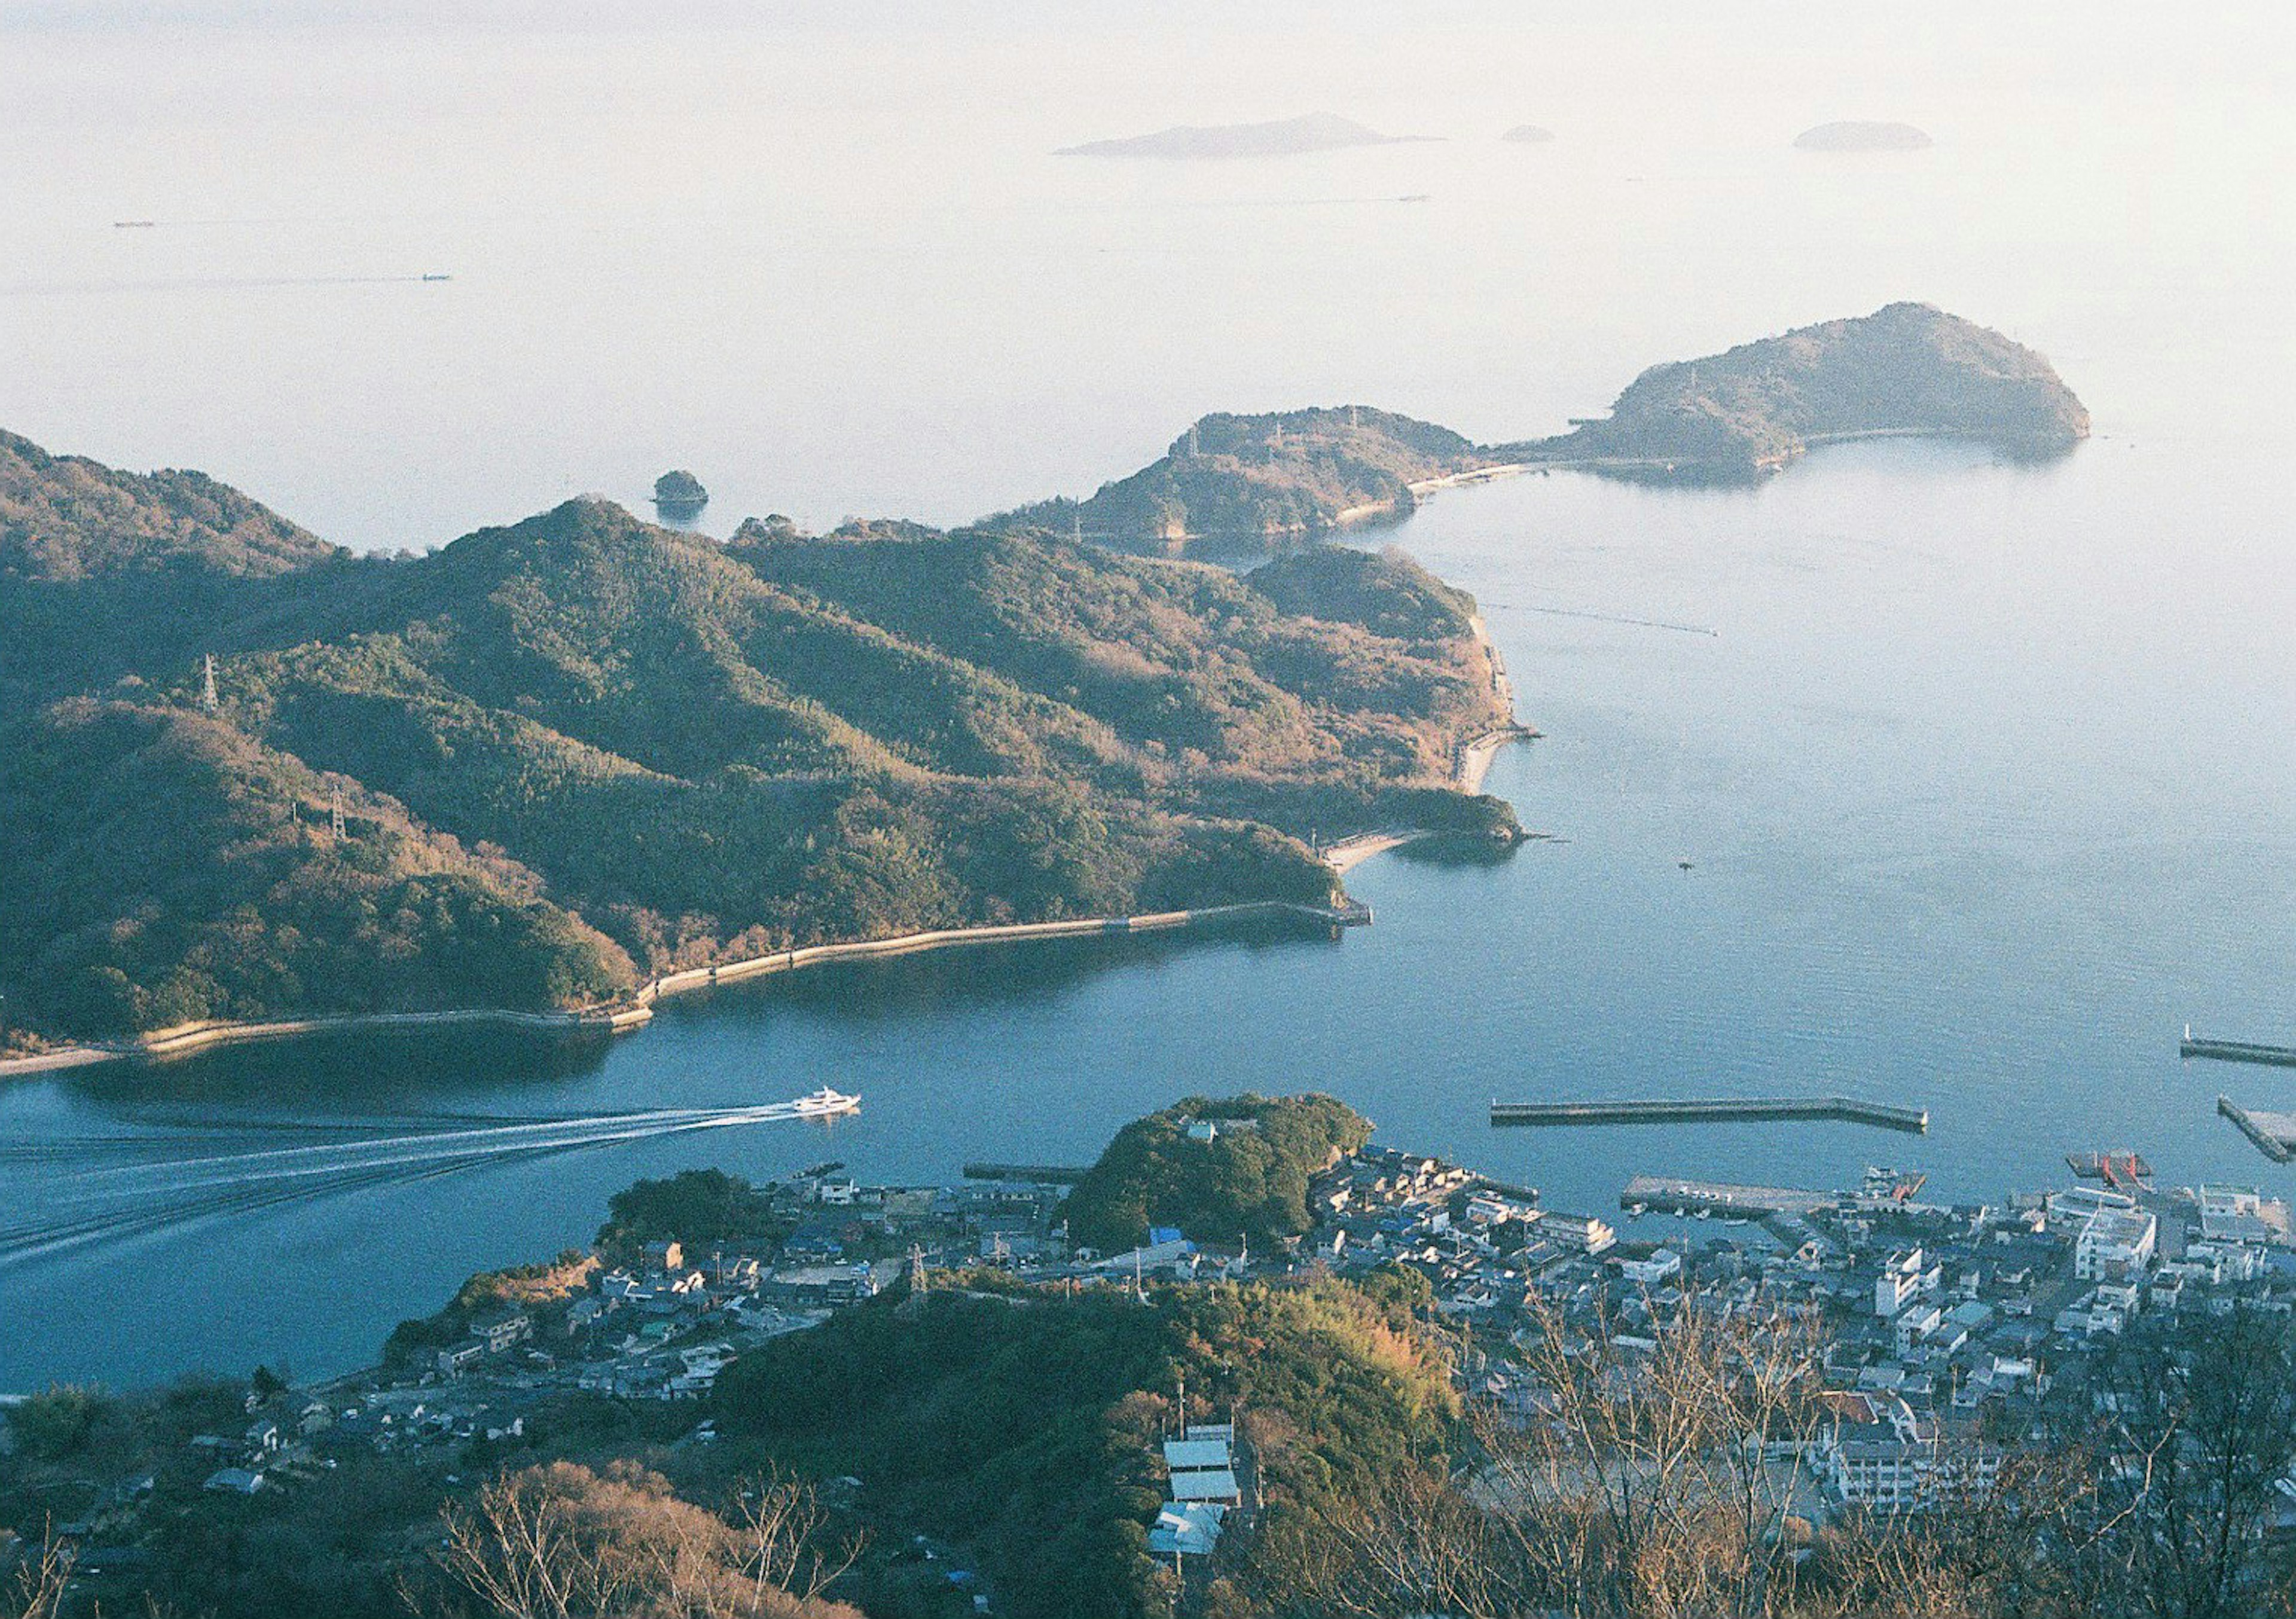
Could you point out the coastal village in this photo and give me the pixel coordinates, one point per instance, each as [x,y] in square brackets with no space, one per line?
[1945,1326]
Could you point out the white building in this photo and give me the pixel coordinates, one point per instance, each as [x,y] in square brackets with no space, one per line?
[1589,1233]
[1906,1277]
[2115,1245]
[1878,1466]
[1662,1264]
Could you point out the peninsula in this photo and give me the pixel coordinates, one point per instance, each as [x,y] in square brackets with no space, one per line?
[550,763]
[1239,485]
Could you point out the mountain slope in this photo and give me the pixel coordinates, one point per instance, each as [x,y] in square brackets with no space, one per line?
[583,748]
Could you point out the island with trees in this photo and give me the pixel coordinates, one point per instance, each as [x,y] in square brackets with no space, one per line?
[1906,370]
[679,495]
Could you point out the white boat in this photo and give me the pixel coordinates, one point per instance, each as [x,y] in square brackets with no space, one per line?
[825,1103]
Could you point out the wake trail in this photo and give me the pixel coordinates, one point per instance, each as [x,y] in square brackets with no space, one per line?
[141,1210]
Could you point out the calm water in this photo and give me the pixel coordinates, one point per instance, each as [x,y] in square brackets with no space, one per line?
[1988,774]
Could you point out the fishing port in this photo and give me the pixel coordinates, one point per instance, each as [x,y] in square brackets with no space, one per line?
[1841,1109]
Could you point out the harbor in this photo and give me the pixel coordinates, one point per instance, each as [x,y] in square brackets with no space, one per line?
[1841,1109]
[1671,1195]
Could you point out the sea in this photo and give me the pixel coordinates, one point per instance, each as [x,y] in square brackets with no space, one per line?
[1909,774]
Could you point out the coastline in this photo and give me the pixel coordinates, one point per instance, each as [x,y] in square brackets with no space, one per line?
[1470,762]
[636,1010]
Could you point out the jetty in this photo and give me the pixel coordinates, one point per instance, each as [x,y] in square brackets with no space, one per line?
[1843,1110]
[2235,1050]
[2273,1134]
[1673,1196]
[1035,1174]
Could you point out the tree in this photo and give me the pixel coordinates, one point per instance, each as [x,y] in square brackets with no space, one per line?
[560,1542]
[2188,1431]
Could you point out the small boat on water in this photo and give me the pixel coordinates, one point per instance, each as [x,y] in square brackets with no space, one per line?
[433,275]
[825,1103]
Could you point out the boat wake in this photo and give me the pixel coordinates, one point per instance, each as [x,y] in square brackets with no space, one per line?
[86,1196]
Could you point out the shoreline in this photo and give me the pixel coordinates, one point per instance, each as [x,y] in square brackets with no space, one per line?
[634,1011]
[1470,762]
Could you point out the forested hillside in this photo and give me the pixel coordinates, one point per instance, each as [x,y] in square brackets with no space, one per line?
[583,748]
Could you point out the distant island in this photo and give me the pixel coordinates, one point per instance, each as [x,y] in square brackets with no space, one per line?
[679,495]
[1906,370]
[246,776]
[1528,135]
[1238,485]
[1860,136]
[1282,138]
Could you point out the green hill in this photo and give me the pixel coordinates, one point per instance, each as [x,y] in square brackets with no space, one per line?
[1026,1426]
[583,749]
[1262,483]
[1907,370]
[1242,1174]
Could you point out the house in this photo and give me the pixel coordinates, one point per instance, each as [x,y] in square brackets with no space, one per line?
[667,1255]
[1186,1529]
[1207,1484]
[500,1330]
[1650,1272]
[233,1481]
[456,1359]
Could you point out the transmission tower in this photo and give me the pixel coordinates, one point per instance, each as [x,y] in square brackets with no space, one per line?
[335,813]
[208,693]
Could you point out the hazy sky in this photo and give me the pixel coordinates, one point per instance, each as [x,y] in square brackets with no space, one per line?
[826,260]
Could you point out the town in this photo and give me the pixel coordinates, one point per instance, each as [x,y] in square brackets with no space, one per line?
[1945,1327]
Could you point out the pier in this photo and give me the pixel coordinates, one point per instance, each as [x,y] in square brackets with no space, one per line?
[1673,1196]
[1035,1174]
[1843,1110]
[2273,1134]
[2236,1050]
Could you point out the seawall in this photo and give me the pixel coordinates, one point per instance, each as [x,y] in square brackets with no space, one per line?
[622,1017]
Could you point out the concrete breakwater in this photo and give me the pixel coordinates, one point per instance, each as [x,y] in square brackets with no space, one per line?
[2273,1134]
[634,1011]
[2236,1050]
[1842,1109]
[1347,914]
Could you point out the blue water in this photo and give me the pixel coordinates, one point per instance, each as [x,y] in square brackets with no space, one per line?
[1986,791]
[1987,776]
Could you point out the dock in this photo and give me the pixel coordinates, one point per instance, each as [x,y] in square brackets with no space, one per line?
[1035,1174]
[1843,1110]
[2235,1050]
[2273,1134]
[1671,1195]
